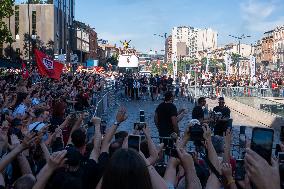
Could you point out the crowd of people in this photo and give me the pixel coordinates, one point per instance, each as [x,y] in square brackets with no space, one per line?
[139,86]
[258,80]
[44,141]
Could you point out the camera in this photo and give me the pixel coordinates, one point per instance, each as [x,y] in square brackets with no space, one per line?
[139,126]
[196,133]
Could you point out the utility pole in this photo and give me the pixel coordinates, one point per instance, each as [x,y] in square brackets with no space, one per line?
[164,36]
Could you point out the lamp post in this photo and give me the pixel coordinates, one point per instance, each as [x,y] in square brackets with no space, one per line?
[164,36]
[239,38]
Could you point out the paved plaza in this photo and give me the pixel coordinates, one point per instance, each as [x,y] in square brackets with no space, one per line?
[133,107]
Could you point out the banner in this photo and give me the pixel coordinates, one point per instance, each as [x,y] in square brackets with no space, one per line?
[48,67]
[25,73]
[252,66]
[228,62]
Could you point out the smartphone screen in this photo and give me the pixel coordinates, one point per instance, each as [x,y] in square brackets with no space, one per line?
[142,116]
[240,170]
[242,130]
[134,142]
[281,157]
[262,141]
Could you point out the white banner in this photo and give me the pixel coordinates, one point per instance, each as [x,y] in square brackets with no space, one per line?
[128,61]
[252,66]
[228,62]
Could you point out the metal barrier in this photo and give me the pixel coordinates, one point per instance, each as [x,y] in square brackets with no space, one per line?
[211,91]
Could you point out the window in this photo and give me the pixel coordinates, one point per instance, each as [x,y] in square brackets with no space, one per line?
[34,22]
[17,20]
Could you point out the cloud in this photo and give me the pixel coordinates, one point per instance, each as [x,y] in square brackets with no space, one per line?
[260,15]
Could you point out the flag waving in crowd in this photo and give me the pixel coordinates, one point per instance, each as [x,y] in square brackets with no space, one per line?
[25,73]
[48,67]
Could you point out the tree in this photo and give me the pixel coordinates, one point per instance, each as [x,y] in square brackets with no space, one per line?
[35,2]
[31,44]
[235,61]
[113,60]
[50,48]
[49,2]
[6,11]
[10,52]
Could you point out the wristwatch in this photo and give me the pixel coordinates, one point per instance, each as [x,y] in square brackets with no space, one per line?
[116,123]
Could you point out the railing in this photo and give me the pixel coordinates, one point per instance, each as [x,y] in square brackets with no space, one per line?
[257,96]
[211,91]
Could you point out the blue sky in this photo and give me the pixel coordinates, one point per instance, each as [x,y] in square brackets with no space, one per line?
[138,20]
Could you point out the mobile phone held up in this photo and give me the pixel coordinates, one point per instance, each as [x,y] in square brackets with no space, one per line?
[134,142]
[240,170]
[172,152]
[142,116]
[139,126]
[262,141]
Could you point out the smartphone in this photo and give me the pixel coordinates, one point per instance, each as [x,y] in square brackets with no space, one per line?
[262,141]
[172,152]
[240,170]
[134,142]
[282,134]
[281,157]
[142,116]
[139,126]
[243,130]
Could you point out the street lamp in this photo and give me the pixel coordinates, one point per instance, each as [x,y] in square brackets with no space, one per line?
[239,38]
[164,36]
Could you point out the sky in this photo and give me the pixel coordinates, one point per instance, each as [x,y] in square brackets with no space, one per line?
[139,20]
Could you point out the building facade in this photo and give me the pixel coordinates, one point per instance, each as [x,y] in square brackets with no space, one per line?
[86,43]
[45,22]
[206,39]
[267,47]
[195,39]
[278,46]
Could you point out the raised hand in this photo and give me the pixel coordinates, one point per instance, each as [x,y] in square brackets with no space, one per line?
[28,140]
[57,159]
[96,121]
[263,175]
[121,115]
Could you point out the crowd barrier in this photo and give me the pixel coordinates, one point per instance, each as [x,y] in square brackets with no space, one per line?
[210,91]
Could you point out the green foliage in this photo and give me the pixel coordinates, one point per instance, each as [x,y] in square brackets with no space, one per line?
[6,11]
[204,61]
[235,59]
[113,60]
[35,2]
[10,52]
[31,44]
[49,1]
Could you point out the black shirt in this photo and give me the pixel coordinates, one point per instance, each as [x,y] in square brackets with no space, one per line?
[225,111]
[197,113]
[221,126]
[164,112]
